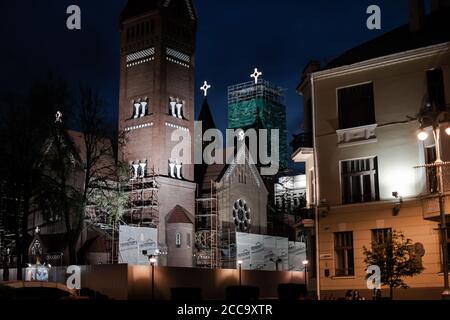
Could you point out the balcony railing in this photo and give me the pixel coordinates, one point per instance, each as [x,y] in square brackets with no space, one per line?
[430,201]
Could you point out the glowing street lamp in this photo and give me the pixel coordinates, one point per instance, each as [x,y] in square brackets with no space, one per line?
[240,262]
[305,265]
[422,135]
[437,117]
[153,260]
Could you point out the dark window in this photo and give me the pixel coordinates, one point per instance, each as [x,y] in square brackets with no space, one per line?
[356,106]
[381,236]
[359,180]
[430,157]
[188,240]
[436,91]
[343,250]
[138,31]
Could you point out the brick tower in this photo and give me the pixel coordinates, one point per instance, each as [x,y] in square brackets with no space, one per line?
[157,99]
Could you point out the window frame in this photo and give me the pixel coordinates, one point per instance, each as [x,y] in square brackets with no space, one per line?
[351,86]
[376,182]
[178,239]
[347,267]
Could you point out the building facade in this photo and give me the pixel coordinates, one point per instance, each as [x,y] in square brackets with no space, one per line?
[361,152]
[156,112]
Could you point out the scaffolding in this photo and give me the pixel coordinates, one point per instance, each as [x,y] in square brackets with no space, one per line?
[142,207]
[259,106]
[249,91]
[207,230]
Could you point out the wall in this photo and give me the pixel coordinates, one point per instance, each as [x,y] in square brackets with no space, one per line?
[213,282]
[400,90]
[361,219]
[134,282]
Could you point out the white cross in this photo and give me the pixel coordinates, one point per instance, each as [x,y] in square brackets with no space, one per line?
[205,88]
[256,75]
[37,230]
[58,117]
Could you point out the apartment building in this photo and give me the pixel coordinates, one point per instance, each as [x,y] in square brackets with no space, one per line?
[361,152]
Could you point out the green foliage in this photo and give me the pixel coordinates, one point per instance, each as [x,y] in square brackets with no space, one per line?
[396,260]
[110,200]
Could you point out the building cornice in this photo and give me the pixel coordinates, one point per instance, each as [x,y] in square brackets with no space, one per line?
[404,56]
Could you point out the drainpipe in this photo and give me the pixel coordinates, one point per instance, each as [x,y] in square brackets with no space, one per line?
[316,187]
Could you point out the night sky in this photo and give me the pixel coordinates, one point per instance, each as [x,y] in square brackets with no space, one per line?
[234,36]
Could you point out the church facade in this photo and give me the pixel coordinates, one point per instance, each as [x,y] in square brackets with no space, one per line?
[156,103]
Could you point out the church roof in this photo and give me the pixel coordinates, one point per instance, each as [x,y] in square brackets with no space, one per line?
[434,31]
[179,215]
[207,120]
[206,117]
[139,7]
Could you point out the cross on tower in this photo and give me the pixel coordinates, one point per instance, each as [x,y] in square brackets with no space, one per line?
[256,75]
[205,88]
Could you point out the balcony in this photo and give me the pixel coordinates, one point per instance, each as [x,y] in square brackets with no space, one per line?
[356,136]
[302,144]
[430,201]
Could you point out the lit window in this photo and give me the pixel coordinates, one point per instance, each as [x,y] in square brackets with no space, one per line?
[178,240]
[188,240]
[359,179]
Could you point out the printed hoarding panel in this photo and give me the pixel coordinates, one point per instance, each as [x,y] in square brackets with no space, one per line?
[133,240]
[297,254]
[261,252]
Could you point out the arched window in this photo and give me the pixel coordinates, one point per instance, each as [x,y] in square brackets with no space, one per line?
[188,240]
[178,240]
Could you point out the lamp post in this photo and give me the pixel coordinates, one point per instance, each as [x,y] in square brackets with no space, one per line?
[152,263]
[431,116]
[305,265]
[240,262]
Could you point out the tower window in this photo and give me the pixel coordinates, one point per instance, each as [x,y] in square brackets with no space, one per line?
[140,108]
[175,170]
[176,107]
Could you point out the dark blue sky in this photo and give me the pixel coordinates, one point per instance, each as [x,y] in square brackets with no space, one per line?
[234,36]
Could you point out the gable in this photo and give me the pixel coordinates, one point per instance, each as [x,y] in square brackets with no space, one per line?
[250,167]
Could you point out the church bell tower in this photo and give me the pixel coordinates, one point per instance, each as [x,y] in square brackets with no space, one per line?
[156,108]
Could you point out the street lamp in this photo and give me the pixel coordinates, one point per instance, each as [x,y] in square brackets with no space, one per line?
[305,265]
[240,262]
[431,116]
[152,263]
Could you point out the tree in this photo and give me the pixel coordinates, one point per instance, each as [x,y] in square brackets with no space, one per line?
[25,124]
[108,202]
[396,258]
[77,165]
